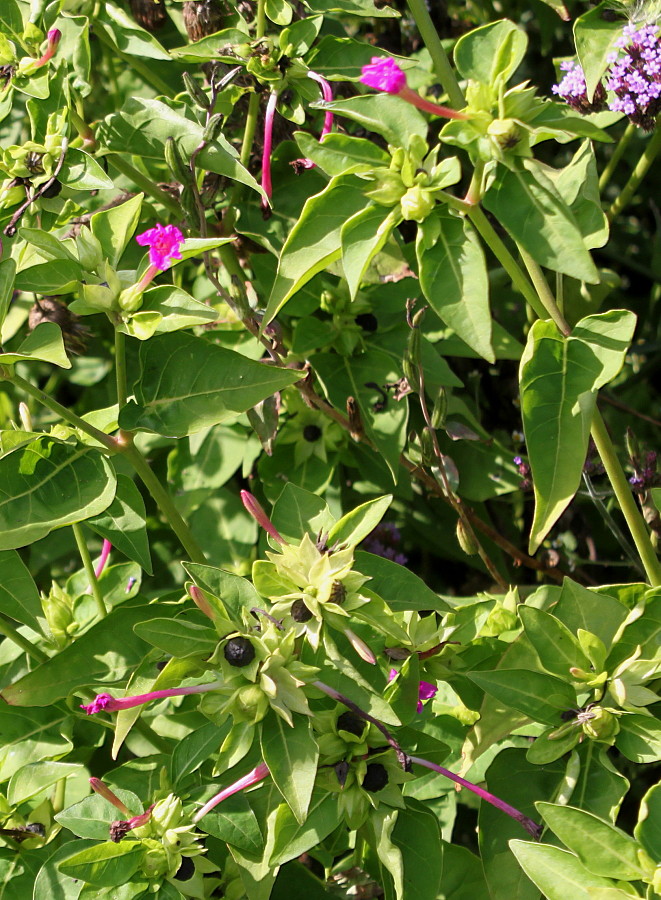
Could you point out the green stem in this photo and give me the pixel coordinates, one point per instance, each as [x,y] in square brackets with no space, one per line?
[648,156]
[544,292]
[164,502]
[58,795]
[9,631]
[120,367]
[89,570]
[505,258]
[628,505]
[149,73]
[145,184]
[617,155]
[439,57]
[108,442]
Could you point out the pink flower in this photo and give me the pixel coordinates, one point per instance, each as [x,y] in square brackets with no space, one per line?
[103,559]
[164,242]
[425,690]
[258,773]
[106,702]
[254,507]
[269,116]
[383,74]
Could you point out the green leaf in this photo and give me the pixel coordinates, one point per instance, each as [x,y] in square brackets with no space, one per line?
[342,154]
[19,597]
[293,838]
[30,736]
[595,36]
[93,816]
[525,202]
[123,523]
[315,240]
[557,873]
[556,646]
[639,738]
[342,58]
[355,377]
[387,115]
[106,865]
[648,829]
[278,11]
[81,172]
[492,51]
[127,35]
[178,637]
[190,753]
[186,384]
[363,236]
[48,484]
[49,246]
[559,378]
[417,834]
[145,125]
[297,512]
[354,527]
[36,777]
[59,276]
[453,277]
[235,822]
[7,278]
[299,37]
[171,309]
[114,227]
[352,8]
[578,185]
[601,847]
[540,697]
[577,607]
[291,755]
[237,594]
[106,652]
[50,882]
[44,344]
[463,877]
[401,588]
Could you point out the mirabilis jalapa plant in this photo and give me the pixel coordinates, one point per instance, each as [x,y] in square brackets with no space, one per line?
[310,257]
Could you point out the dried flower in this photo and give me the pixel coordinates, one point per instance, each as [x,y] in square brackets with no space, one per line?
[105,702]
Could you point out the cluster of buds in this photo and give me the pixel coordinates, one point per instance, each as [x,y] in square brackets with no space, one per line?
[646,473]
[633,76]
[524,472]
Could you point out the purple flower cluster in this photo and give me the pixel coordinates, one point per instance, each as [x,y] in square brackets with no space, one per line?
[634,77]
[524,472]
[384,541]
[646,475]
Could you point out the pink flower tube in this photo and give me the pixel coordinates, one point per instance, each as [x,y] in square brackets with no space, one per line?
[383,74]
[105,702]
[257,774]
[268,147]
[254,507]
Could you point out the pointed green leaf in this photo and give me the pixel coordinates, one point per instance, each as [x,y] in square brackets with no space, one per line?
[595,35]
[540,697]
[363,236]
[93,816]
[557,873]
[81,172]
[44,344]
[556,646]
[105,865]
[178,637]
[490,51]
[387,115]
[291,755]
[7,277]
[342,154]
[114,227]
[19,597]
[354,527]
[648,829]
[401,588]
[293,838]
[123,523]
[235,822]
[297,512]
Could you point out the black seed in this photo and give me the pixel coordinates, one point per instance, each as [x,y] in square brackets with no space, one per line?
[312,433]
[53,190]
[376,778]
[300,612]
[367,321]
[342,770]
[239,652]
[338,593]
[186,870]
[351,722]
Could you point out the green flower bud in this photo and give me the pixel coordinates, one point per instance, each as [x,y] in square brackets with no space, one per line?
[250,704]
[603,726]
[465,539]
[156,860]
[505,132]
[416,204]
[388,190]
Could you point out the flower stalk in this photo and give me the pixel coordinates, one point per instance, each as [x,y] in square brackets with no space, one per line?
[107,703]
[257,774]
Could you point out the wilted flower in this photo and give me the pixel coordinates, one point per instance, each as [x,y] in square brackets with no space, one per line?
[106,702]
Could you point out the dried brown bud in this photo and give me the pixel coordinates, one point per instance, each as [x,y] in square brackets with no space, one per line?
[150,14]
[203,17]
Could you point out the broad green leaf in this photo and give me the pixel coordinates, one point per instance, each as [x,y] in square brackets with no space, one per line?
[315,240]
[401,588]
[291,755]
[171,309]
[643,633]
[354,527]
[30,736]
[526,203]
[114,227]
[418,836]
[60,276]
[540,697]
[144,126]
[123,523]
[178,637]
[297,512]
[44,344]
[557,873]
[195,749]
[235,822]
[48,484]
[106,652]
[359,377]
[387,115]
[463,876]
[602,848]
[342,154]
[293,838]
[352,8]
[341,58]
[577,607]
[187,383]
[639,738]
[37,777]
[296,880]
[559,380]
[235,593]
[49,246]
[93,816]
[363,236]
[595,35]
[299,37]
[49,881]
[453,277]
[648,829]
[492,51]
[106,865]
[578,185]
[278,11]
[127,35]
[556,646]
[81,172]
[7,277]
[19,597]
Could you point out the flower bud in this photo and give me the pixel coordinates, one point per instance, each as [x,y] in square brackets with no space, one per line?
[466,539]
[603,726]
[505,132]
[388,190]
[250,704]
[416,204]
[155,861]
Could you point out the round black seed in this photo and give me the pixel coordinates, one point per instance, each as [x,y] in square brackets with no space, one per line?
[352,723]
[300,612]
[186,870]
[53,190]
[312,433]
[376,778]
[367,321]
[239,652]
[338,593]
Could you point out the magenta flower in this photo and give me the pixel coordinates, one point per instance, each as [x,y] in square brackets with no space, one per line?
[425,690]
[164,242]
[103,559]
[268,146]
[383,74]
[257,774]
[54,36]
[253,506]
[105,702]
[327,92]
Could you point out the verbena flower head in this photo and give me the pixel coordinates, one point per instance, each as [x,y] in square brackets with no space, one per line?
[383,74]
[573,90]
[164,242]
[635,75]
